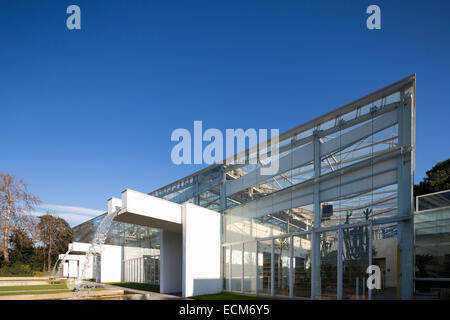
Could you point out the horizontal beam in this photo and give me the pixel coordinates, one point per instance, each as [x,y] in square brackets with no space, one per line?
[304,155]
[360,177]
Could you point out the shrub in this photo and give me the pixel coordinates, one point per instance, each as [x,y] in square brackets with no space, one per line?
[16,269]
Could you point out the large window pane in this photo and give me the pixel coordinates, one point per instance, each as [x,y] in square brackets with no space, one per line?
[250,267]
[302,266]
[355,262]
[236,267]
[226,268]
[264,266]
[328,264]
[385,253]
[281,266]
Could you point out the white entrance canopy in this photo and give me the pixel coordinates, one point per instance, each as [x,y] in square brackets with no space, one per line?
[140,208]
[190,240]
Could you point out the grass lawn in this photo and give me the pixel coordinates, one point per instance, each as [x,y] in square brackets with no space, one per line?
[137,286]
[16,293]
[3,280]
[33,288]
[229,296]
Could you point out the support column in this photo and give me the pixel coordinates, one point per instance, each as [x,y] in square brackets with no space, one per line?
[223,206]
[339,264]
[315,262]
[291,267]
[369,292]
[196,195]
[272,269]
[405,177]
[256,261]
[242,269]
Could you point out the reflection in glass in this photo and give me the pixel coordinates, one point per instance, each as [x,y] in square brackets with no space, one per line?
[328,264]
[355,262]
[302,266]
[281,266]
[264,266]
[236,267]
[226,268]
[250,267]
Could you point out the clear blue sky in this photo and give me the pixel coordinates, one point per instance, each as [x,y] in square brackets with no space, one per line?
[88,113]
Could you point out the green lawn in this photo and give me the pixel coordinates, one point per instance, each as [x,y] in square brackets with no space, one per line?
[4,280]
[19,290]
[228,296]
[34,288]
[137,286]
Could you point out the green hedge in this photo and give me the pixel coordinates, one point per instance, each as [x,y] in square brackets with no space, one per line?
[16,269]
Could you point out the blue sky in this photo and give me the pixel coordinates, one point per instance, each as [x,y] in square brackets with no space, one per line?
[88,113]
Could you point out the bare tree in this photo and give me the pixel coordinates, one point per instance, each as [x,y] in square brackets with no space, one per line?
[14,200]
[30,224]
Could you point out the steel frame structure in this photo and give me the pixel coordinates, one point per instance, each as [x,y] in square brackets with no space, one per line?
[335,156]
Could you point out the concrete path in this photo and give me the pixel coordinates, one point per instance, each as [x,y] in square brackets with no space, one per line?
[23,278]
[63,295]
[149,295]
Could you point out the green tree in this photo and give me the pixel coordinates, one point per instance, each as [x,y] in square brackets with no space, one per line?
[21,247]
[56,234]
[437,179]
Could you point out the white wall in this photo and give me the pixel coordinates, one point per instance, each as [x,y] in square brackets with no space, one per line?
[201,250]
[170,262]
[73,266]
[111,263]
[387,248]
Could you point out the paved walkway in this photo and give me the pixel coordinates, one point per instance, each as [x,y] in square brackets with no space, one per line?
[149,295]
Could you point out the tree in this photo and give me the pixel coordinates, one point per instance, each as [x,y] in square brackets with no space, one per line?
[55,234]
[21,247]
[14,200]
[437,179]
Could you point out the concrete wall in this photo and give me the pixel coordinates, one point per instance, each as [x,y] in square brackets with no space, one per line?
[387,248]
[111,263]
[201,250]
[73,266]
[170,262]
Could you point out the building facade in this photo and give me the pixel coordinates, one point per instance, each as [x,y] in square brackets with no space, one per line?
[342,200]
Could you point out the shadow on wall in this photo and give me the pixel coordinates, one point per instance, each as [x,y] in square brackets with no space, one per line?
[205,286]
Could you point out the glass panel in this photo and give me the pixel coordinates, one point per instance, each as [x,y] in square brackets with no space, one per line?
[328,264]
[302,266]
[384,255]
[433,201]
[433,262]
[250,267]
[226,268]
[264,266]
[236,267]
[281,266]
[355,244]
[432,227]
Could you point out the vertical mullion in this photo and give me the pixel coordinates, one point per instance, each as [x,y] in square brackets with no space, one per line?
[315,263]
[230,269]
[272,269]
[257,267]
[339,265]
[291,267]
[370,257]
[242,268]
